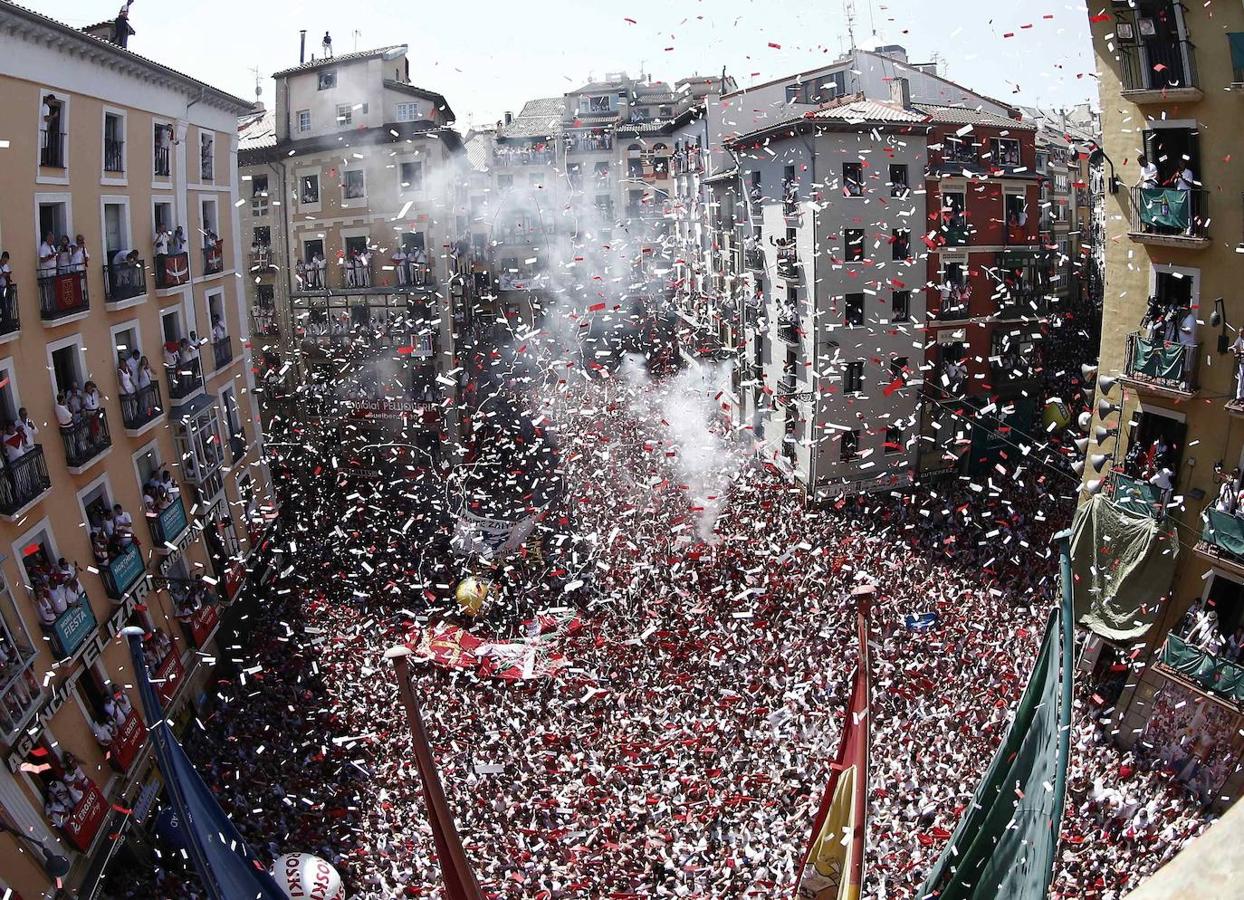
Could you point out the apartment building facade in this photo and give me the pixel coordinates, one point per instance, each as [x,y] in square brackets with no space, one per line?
[833,298]
[989,284]
[357,225]
[133,491]
[1166,440]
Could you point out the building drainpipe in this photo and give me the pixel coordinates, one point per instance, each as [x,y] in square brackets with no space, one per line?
[285,315]
[814,446]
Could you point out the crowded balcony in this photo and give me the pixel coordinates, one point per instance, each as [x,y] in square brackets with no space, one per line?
[119,560]
[114,155]
[125,280]
[688,161]
[1213,671]
[956,302]
[67,618]
[85,438]
[523,156]
[184,377]
[20,693]
[1170,217]
[24,476]
[1137,495]
[214,257]
[1162,367]
[10,318]
[1161,70]
[788,262]
[1222,534]
[172,270]
[222,350]
[51,149]
[790,198]
[62,292]
[754,259]
[789,328]
[141,405]
[166,516]
[588,142]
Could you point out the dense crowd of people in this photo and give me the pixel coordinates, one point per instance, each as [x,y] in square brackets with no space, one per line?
[683,750]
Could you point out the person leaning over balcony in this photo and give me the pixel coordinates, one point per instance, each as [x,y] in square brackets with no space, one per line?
[1148,173]
[123,523]
[28,430]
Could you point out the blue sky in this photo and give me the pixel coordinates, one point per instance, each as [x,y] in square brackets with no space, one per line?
[488,56]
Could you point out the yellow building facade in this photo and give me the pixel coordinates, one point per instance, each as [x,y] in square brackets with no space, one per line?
[113,153]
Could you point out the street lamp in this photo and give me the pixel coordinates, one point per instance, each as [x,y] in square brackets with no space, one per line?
[55,865]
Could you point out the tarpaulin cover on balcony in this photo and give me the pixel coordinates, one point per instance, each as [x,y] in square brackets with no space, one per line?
[1210,672]
[1123,564]
[1165,208]
[1159,360]
[1224,531]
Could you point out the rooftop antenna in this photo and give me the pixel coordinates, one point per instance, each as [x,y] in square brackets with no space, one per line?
[357,34]
[258,85]
[849,14]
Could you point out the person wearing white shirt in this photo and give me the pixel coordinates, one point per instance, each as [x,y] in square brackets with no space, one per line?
[103,733]
[29,430]
[79,256]
[399,261]
[218,330]
[47,256]
[64,417]
[1148,173]
[43,607]
[125,380]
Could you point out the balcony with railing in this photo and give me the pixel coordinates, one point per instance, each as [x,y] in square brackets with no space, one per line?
[588,142]
[955,231]
[260,257]
[122,571]
[114,155]
[163,168]
[1170,218]
[22,481]
[20,693]
[788,262]
[754,259]
[789,328]
[523,281]
[1222,538]
[688,162]
[142,406]
[1161,367]
[788,383]
[172,270]
[71,628]
[51,149]
[1159,71]
[167,524]
[1136,495]
[125,281]
[222,350]
[62,294]
[183,379]
[237,444]
[214,258]
[85,439]
[523,156]
[10,312]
